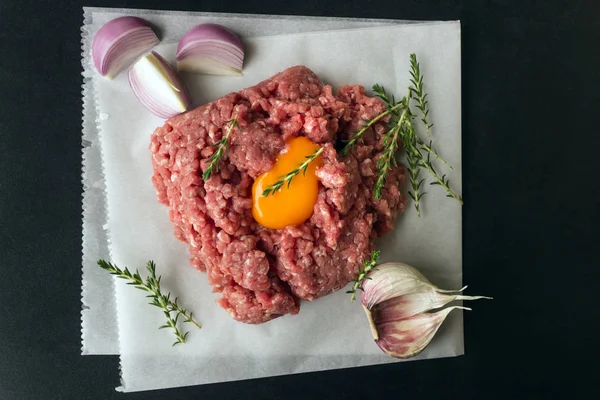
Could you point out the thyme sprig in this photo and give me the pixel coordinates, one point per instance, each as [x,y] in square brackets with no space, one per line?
[420,96]
[414,167]
[368,123]
[413,146]
[416,80]
[222,148]
[390,140]
[363,269]
[405,129]
[440,180]
[427,147]
[287,178]
[158,299]
[418,152]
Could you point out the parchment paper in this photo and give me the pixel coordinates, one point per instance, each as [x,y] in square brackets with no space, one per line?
[98,317]
[331,332]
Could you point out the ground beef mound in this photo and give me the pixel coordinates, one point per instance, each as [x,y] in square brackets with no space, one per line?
[262,273]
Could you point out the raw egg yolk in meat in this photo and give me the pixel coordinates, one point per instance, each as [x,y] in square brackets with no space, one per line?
[293,205]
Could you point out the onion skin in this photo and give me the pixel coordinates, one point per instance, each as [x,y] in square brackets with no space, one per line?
[120,42]
[158,87]
[210,49]
[209,32]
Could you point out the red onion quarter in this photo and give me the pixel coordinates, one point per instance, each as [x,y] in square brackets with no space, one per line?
[157,86]
[210,49]
[119,42]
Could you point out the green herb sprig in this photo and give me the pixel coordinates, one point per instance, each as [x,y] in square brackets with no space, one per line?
[363,269]
[413,145]
[440,180]
[222,148]
[414,168]
[416,80]
[402,123]
[427,148]
[418,152]
[368,123]
[390,146]
[419,94]
[422,104]
[287,178]
[158,299]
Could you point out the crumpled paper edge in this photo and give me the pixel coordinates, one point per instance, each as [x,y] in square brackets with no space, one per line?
[94,212]
[110,304]
[90,10]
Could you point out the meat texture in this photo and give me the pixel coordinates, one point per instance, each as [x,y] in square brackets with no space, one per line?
[262,273]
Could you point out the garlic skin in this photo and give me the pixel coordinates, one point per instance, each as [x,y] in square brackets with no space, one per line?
[408,305]
[391,280]
[408,337]
[397,300]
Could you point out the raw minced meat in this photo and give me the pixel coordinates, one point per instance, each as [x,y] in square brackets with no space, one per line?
[263,273]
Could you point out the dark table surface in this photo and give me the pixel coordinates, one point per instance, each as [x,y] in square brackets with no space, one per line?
[531,81]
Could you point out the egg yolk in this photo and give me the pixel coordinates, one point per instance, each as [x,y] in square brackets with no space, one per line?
[289,205]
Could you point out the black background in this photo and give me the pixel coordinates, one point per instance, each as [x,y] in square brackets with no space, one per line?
[531,81]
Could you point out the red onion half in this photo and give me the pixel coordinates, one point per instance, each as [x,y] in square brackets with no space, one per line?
[119,42]
[157,86]
[210,49]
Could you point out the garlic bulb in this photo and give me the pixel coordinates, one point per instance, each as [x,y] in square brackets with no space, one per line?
[397,300]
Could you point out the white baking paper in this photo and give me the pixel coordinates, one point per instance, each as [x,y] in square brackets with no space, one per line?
[328,333]
[98,317]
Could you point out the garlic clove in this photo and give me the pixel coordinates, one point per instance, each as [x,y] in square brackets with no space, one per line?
[414,303]
[391,280]
[408,337]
